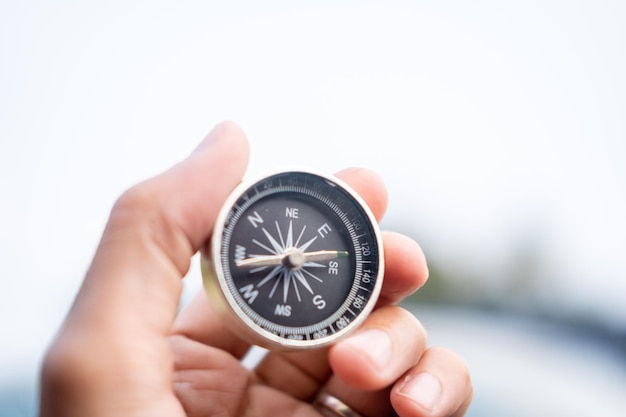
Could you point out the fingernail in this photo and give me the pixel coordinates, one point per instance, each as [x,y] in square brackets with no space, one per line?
[375,344]
[422,388]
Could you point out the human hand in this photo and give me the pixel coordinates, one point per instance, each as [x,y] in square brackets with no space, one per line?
[125,351]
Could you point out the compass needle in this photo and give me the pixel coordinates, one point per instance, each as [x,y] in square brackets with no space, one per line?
[269,238]
[325,255]
[260,260]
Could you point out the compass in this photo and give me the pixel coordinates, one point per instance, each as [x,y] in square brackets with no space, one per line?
[295,260]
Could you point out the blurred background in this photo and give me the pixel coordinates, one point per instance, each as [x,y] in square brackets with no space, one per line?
[499,128]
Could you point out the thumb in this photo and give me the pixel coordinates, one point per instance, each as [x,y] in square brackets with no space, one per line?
[134,282]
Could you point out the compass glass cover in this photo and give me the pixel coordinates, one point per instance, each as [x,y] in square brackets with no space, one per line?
[300,256]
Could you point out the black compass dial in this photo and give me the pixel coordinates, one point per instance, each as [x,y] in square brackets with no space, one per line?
[297,259]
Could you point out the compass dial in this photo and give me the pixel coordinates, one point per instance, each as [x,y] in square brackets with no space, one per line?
[296,260]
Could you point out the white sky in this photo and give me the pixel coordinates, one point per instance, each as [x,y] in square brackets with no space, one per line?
[492,123]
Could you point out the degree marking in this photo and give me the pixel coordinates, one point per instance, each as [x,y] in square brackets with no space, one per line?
[280,235]
[313,276]
[294,286]
[275,244]
[286,282]
[269,276]
[307,244]
[289,242]
[300,236]
[263,246]
[300,277]
[271,294]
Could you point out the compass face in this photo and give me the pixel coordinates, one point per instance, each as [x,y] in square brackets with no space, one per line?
[296,260]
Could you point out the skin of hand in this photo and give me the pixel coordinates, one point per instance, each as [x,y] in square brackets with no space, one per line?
[125,350]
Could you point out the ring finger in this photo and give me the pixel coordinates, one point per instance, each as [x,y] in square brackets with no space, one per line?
[389,344]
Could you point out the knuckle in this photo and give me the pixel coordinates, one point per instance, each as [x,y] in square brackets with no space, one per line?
[138,198]
[65,367]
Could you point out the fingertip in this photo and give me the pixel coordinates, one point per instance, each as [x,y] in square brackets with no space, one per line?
[203,181]
[406,267]
[227,131]
[370,186]
[439,385]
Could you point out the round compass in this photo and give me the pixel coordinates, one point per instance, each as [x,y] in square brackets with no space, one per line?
[295,261]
